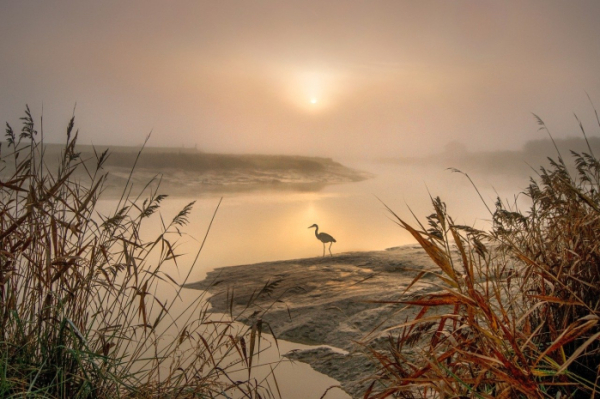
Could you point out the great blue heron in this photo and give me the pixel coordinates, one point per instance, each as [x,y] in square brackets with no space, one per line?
[324,238]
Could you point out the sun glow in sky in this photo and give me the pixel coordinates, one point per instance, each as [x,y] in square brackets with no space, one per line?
[392,77]
[309,91]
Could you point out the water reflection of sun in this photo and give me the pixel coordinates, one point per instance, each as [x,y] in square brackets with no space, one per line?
[311,212]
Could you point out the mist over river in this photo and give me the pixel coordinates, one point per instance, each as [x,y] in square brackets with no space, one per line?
[260,226]
[268,225]
[242,124]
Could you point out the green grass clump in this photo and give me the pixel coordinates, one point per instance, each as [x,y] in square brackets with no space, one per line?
[517,314]
[80,310]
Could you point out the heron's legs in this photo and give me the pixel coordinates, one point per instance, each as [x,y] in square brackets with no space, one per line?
[329,248]
[323,249]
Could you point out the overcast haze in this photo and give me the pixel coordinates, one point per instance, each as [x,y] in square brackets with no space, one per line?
[333,78]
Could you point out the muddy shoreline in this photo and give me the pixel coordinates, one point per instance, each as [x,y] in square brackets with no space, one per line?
[325,301]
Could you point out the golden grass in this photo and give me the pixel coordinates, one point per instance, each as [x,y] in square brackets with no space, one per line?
[83,310]
[517,312]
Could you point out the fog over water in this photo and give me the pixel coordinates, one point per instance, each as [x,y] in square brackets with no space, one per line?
[259,226]
[400,89]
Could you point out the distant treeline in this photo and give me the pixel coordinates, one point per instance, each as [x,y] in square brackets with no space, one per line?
[545,148]
[519,162]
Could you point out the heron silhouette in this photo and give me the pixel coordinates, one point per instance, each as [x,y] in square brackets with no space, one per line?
[324,238]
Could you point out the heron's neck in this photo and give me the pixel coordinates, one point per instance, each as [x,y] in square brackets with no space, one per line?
[317,231]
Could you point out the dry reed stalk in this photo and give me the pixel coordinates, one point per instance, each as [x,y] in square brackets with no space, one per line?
[518,310]
[80,313]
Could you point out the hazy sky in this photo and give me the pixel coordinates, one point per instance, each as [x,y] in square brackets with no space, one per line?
[327,77]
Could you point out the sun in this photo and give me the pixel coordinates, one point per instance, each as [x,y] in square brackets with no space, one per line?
[312,91]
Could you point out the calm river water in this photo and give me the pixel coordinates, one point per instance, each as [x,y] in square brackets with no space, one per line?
[273,225]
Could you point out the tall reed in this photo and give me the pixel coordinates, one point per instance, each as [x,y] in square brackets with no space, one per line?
[84,312]
[518,308]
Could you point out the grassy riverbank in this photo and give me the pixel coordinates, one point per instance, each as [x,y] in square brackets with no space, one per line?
[520,311]
[85,309]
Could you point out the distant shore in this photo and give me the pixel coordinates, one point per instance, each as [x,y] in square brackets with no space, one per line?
[187,172]
[324,301]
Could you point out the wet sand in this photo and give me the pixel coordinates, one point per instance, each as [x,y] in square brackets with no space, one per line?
[325,301]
